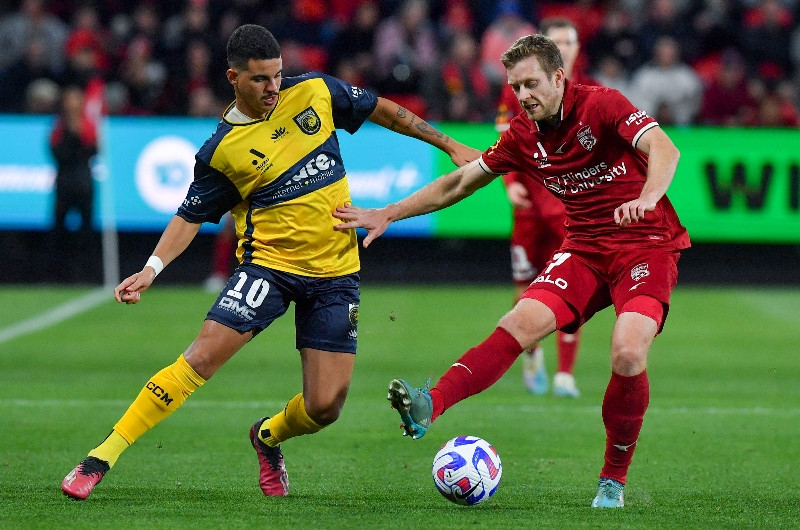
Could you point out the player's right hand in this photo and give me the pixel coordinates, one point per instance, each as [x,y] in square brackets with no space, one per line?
[130,290]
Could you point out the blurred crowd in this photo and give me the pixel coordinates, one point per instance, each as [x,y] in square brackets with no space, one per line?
[731,63]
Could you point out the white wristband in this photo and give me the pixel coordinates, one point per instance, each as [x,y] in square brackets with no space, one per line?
[156,263]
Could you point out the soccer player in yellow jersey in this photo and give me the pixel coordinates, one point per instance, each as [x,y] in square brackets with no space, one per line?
[274,163]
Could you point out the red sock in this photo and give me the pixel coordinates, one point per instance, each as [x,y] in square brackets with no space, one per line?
[478,369]
[567,347]
[624,406]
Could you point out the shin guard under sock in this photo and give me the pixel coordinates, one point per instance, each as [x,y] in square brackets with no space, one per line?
[478,369]
[161,396]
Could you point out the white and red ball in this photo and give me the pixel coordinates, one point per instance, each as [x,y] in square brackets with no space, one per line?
[467,470]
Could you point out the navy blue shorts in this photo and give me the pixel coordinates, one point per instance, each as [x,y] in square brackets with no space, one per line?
[326,309]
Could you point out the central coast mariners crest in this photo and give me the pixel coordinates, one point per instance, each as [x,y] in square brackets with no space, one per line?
[308,121]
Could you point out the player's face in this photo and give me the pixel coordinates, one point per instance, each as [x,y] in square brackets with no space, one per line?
[567,41]
[538,93]
[257,87]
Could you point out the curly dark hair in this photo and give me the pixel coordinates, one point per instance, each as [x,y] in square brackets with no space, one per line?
[251,41]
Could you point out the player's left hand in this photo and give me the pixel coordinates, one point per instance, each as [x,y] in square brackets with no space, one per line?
[374,220]
[632,211]
[463,154]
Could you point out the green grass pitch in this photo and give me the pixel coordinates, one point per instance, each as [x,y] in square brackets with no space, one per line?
[718,448]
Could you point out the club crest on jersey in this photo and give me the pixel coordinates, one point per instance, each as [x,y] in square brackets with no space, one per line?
[586,138]
[308,121]
[640,271]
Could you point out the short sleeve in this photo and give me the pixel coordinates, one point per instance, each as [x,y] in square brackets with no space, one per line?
[351,105]
[502,157]
[209,197]
[630,122]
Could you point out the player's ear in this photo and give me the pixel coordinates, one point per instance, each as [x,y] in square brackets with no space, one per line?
[559,77]
[232,75]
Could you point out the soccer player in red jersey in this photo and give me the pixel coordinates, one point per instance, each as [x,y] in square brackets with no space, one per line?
[611,165]
[538,225]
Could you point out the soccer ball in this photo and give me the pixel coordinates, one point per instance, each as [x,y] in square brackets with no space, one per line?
[467,470]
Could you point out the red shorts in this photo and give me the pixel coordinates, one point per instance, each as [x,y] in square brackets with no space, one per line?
[533,240]
[591,281]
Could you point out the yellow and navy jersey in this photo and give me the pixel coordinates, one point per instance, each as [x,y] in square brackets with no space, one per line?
[283,176]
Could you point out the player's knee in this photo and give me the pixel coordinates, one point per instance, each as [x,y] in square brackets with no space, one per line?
[627,358]
[529,322]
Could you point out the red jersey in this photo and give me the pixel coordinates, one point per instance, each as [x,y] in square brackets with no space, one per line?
[591,163]
[543,205]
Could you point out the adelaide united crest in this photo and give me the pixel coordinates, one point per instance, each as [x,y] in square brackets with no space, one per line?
[586,138]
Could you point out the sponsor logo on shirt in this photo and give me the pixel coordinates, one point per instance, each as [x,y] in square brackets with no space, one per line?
[279,133]
[261,161]
[584,179]
[636,117]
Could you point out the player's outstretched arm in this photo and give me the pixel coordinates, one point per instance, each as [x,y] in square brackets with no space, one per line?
[441,193]
[662,162]
[176,237]
[397,118]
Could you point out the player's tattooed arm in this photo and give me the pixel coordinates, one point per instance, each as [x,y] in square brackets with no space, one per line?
[397,118]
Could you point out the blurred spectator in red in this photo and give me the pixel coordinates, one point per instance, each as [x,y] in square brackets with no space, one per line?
[509,25]
[351,48]
[344,12]
[73,142]
[405,48]
[144,77]
[456,18]
[87,35]
[462,91]
[667,88]
[586,15]
[766,40]
[32,22]
[727,100]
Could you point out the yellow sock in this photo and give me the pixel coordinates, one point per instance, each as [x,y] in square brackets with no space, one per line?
[290,422]
[160,397]
[111,448]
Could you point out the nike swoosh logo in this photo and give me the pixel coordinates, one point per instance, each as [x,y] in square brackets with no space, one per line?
[635,286]
[624,447]
[560,147]
[467,493]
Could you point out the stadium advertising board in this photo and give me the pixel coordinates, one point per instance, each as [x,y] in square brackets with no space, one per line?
[732,185]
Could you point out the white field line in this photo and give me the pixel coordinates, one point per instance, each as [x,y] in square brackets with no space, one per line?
[56,315]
